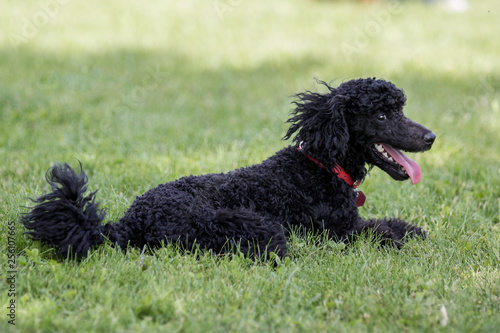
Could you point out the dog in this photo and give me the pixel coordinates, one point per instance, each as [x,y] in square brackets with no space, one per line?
[310,185]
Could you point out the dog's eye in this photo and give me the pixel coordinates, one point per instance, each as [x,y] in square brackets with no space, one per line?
[382,117]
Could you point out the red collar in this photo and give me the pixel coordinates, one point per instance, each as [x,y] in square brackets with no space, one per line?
[360,197]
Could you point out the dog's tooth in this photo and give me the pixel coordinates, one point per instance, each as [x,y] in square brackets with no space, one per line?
[385,154]
[379,148]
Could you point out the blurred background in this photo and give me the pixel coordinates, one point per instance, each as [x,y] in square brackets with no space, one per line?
[169,88]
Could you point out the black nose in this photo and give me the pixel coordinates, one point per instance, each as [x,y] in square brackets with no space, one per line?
[429,138]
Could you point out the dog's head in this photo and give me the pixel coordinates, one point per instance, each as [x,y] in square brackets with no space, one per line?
[360,122]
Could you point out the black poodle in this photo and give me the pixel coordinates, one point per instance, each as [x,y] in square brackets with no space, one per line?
[310,185]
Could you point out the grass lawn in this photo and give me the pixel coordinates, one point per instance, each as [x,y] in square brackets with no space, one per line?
[145,92]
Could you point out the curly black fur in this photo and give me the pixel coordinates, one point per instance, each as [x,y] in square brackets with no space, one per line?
[64,217]
[254,207]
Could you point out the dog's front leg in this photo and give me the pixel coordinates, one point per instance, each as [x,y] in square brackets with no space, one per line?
[391,231]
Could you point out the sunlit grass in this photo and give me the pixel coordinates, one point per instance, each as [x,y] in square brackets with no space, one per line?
[142,94]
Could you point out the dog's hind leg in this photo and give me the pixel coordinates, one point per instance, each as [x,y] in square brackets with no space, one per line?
[220,230]
[255,235]
[391,231]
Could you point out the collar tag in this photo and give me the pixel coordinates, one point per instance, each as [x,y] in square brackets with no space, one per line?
[360,198]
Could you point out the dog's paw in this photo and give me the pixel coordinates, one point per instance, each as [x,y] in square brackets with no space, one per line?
[394,231]
[403,229]
[414,231]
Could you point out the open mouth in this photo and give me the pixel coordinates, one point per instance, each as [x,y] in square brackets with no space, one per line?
[395,163]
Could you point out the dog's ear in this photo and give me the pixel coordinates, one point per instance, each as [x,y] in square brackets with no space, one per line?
[319,123]
[337,134]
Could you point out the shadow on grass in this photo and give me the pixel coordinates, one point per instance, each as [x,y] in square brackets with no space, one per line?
[51,102]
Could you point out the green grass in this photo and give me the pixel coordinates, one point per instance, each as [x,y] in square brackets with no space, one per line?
[142,94]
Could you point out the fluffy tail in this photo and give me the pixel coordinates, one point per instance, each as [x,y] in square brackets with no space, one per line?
[64,218]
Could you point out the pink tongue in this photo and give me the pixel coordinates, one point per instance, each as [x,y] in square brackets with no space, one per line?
[411,167]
